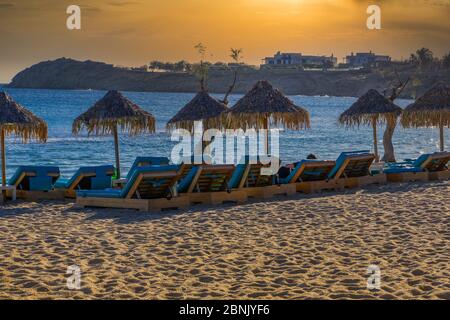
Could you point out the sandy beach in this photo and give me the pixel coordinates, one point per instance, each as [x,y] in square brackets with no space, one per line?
[287,248]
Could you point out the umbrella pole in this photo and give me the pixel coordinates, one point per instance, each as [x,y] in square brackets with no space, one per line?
[3,157]
[267,136]
[375,140]
[441,134]
[116,147]
[3,193]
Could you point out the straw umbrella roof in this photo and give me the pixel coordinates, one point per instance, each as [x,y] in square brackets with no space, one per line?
[261,103]
[202,107]
[432,109]
[369,107]
[17,120]
[115,110]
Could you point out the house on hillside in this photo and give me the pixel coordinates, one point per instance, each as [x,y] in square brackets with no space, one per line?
[363,59]
[298,59]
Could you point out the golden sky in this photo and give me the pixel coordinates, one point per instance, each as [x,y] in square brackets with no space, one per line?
[134,32]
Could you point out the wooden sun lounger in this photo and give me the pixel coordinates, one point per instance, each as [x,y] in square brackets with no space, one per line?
[71,191]
[353,172]
[313,183]
[438,166]
[261,186]
[36,195]
[142,194]
[210,186]
[82,182]
[427,167]
[140,162]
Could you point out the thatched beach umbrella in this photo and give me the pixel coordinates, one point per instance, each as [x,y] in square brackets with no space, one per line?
[371,109]
[264,104]
[430,110]
[111,112]
[203,108]
[16,120]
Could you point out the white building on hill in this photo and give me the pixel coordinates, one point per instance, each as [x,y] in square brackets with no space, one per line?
[299,59]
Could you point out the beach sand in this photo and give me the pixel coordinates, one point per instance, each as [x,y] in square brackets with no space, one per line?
[316,246]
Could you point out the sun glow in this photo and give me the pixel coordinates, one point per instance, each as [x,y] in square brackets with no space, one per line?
[135,32]
[276,2]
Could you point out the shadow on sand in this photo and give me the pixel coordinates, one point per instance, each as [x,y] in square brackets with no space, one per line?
[125,216]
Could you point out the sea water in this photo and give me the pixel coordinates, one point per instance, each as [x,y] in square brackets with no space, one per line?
[326,138]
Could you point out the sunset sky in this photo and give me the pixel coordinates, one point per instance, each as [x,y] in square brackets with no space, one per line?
[135,32]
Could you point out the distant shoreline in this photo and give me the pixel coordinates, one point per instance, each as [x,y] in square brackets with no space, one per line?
[162,92]
[69,74]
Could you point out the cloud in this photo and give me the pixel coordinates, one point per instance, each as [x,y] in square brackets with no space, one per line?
[120,32]
[418,26]
[89,8]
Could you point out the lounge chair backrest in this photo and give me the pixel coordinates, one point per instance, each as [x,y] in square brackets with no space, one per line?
[187,173]
[211,178]
[256,179]
[420,160]
[237,177]
[205,159]
[310,170]
[35,178]
[352,164]
[151,182]
[188,169]
[92,178]
[433,162]
[147,161]
[248,175]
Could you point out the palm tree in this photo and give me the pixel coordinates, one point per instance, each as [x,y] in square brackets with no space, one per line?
[446,61]
[180,66]
[413,59]
[424,56]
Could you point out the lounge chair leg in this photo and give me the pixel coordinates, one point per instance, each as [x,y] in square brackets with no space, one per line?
[439,176]
[408,177]
[217,198]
